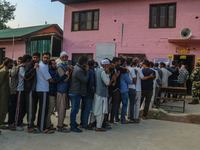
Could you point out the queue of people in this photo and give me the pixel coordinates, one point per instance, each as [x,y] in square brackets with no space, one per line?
[37,89]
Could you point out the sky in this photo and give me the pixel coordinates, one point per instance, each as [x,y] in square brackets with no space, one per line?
[36,12]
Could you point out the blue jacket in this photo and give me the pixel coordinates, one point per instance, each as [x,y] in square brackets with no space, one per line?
[124,81]
[91,83]
[63,87]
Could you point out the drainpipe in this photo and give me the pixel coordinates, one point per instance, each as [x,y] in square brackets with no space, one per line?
[51,50]
[13,47]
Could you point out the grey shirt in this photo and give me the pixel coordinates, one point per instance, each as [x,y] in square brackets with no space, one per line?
[20,86]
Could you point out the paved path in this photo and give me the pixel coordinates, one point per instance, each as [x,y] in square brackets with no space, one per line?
[148,135]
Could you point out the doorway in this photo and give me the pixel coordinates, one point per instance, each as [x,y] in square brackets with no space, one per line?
[188,61]
[2,54]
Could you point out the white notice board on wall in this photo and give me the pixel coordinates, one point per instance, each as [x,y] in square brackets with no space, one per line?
[104,50]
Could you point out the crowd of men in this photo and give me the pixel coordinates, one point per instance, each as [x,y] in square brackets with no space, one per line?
[37,89]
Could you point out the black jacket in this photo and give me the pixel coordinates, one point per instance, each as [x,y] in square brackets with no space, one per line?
[30,76]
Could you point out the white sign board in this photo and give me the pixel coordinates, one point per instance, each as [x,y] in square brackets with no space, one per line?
[105,50]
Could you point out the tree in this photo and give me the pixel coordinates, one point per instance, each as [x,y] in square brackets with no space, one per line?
[6,13]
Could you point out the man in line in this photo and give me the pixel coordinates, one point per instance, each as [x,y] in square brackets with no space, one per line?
[132,91]
[100,103]
[116,88]
[195,78]
[13,93]
[42,88]
[165,77]
[78,88]
[147,87]
[183,76]
[30,91]
[62,90]
[87,100]
[21,103]
[4,91]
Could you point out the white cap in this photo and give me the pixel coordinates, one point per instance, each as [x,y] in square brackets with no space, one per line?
[63,53]
[14,59]
[105,62]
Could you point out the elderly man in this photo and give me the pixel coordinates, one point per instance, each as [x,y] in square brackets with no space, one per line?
[100,104]
[4,91]
[195,78]
[62,102]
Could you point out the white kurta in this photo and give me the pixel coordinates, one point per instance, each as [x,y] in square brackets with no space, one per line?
[100,103]
[165,77]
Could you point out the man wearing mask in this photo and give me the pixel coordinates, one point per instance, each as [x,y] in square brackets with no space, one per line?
[78,88]
[30,91]
[4,91]
[62,102]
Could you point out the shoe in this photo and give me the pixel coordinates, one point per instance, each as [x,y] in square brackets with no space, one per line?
[76,130]
[3,127]
[144,118]
[125,122]
[19,128]
[194,102]
[100,129]
[87,128]
[12,127]
[108,128]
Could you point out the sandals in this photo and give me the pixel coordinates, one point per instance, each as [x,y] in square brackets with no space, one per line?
[100,129]
[12,127]
[63,130]
[125,122]
[33,130]
[47,131]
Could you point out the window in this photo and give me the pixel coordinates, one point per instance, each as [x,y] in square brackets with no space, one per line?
[162,15]
[76,56]
[85,20]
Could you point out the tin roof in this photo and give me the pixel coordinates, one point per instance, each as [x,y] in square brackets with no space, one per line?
[20,32]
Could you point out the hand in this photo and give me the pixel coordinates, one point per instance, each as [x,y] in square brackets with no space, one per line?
[36,65]
[107,70]
[68,72]
[22,65]
[127,71]
[152,75]
[87,68]
[117,74]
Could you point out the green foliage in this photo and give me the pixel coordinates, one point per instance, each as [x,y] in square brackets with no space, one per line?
[6,13]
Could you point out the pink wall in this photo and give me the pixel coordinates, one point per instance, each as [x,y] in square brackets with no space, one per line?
[19,48]
[138,38]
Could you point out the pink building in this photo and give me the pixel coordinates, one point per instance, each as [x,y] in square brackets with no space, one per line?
[133,28]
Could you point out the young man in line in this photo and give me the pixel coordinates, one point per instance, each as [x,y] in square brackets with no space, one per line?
[13,93]
[62,103]
[30,91]
[78,88]
[125,81]
[42,88]
[132,91]
[21,103]
[147,87]
[87,100]
[4,91]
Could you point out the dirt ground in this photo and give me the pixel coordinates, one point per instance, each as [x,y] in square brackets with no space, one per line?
[147,135]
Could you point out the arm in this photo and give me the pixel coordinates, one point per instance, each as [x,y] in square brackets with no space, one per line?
[82,76]
[127,79]
[61,73]
[105,78]
[46,74]
[29,70]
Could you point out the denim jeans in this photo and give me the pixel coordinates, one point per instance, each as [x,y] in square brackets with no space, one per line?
[124,98]
[132,102]
[85,110]
[75,102]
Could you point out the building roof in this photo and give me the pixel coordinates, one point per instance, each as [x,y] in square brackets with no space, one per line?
[66,2]
[20,32]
